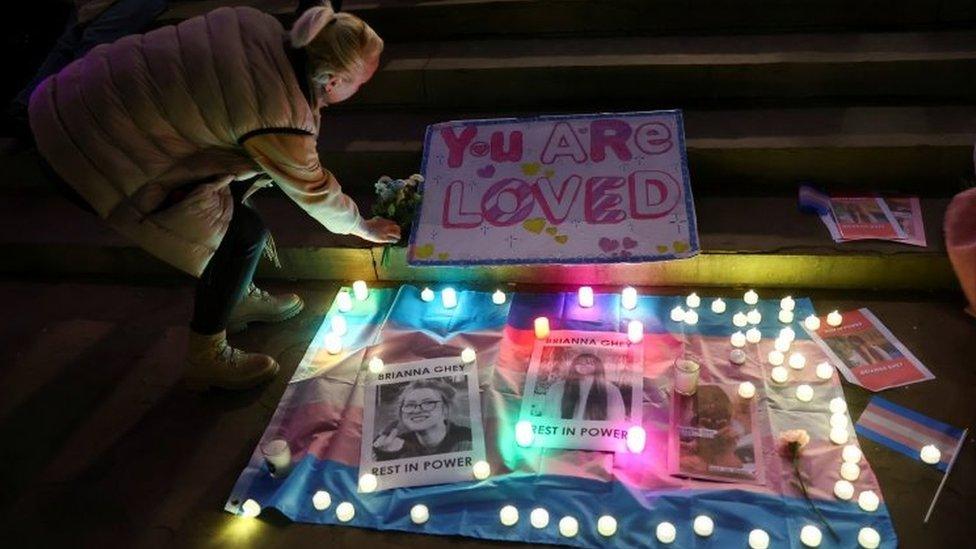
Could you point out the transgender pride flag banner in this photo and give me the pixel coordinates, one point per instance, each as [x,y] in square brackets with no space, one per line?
[534,492]
[907,431]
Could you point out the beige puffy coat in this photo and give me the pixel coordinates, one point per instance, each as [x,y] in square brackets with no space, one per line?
[191,107]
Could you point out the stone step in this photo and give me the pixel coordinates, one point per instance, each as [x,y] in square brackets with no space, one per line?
[645,73]
[782,248]
[399,21]
[925,150]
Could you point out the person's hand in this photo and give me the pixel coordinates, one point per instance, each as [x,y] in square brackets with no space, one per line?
[379,230]
[389,442]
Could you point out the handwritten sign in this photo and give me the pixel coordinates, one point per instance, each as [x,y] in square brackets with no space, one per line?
[598,188]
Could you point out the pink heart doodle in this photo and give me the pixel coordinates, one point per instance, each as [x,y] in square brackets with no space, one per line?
[625,253]
[486,171]
[608,245]
[629,243]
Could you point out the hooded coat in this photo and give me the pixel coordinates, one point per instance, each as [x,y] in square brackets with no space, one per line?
[151,129]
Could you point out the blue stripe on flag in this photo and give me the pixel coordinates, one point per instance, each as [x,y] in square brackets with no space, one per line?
[894,445]
[935,425]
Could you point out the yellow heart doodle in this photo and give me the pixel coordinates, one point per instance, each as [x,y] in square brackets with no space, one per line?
[562,238]
[443,255]
[534,225]
[661,248]
[423,252]
[530,169]
[680,246]
[552,230]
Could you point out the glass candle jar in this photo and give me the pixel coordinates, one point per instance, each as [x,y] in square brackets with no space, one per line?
[686,376]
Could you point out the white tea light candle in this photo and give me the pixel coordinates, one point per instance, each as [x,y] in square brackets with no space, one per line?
[345,511]
[449,298]
[606,526]
[738,340]
[568,527]
[666,532]
[468,355]
[868,501]
[787,303]
[539,518]
[339,325]
[360,290]
[541,326]
[747,390]
[838,420]
[839,435]
[718,306]
[737,357]
[930,454]
[798,361]
[758,539]
[868,538]
[811,323]
[835,319]
[691,317]
[850,471]
[321,500]
[787,334]
[635,331]
[825,370]
[750,297]
[368,483]
[498,298]
[852,454]
[585,296]
[786,317]
[811,536]
[693,300]
[508,515]
[781,345]
[779,374]
[775,357]
[375,365]
[753,335]
[843,489]
[837,405]
[628,298]
[481,470]
[740,319]
[804,393]
[678,314]
[427,295]
[523,433]
[703,526]
[343,301]
[332,343]
[250,509]
[419,513]
[636,439]
[754,317]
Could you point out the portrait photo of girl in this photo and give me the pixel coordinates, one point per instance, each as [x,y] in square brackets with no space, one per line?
[423,417]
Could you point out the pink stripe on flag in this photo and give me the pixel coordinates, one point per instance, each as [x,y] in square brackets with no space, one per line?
[899,435]
[914,429]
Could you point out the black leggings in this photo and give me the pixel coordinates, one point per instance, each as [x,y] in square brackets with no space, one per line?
[227,276]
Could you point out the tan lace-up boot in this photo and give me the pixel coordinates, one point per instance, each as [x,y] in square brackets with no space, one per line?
[258,305]
[211,362]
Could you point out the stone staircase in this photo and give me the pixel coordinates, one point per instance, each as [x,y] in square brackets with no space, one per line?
[880,95]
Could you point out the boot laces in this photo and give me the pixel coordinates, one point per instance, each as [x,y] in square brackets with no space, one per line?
[257,293]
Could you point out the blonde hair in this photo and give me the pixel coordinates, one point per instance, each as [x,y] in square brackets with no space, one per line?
[337,44]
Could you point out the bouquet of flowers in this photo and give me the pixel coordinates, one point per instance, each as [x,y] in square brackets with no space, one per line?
[793,442]
[398,200]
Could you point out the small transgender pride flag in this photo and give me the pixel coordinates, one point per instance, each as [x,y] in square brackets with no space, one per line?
[907,431]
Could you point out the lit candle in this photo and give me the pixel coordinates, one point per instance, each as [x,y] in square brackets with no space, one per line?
[930,454]
[787,303]
[703,526]
[666,532]
[850,471]
[419,513]
[606,526]
[868,501]
[825,370]
[523,433]
[750,297]
[345,511]
[333,343]
[786,317]
[811,536]
[737,357]
[775,357]
[834,319]
[691,317]
[628,298]
[843,489]
[740,319]
[375,365]
[539,518]
[541,327]
[468,355]
[678,314]
[585,296]
[360,290]
[754,316]
[804,393]
[798,361]
[343,301]
[635,331]
[498,298]
[693,300]
[508,515]
[787,334]
[753,335]
[838,420]
[568,527]
[277,455]
[368,483]
[758,539]
[811,323]
[481,470]
[250,509]
[839,435]
[868,538]
[779,374]
[837,405]
[718,306]
[636,439]
[781,345]
[851,454]
[427,295]
[321,500]
[449,298]
[339,325]
[738,339]
[747,390]
[686,377]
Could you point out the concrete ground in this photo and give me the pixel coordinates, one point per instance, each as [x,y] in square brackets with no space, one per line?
[100,445]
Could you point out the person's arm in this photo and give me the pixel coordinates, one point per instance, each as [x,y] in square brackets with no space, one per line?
[292,161]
